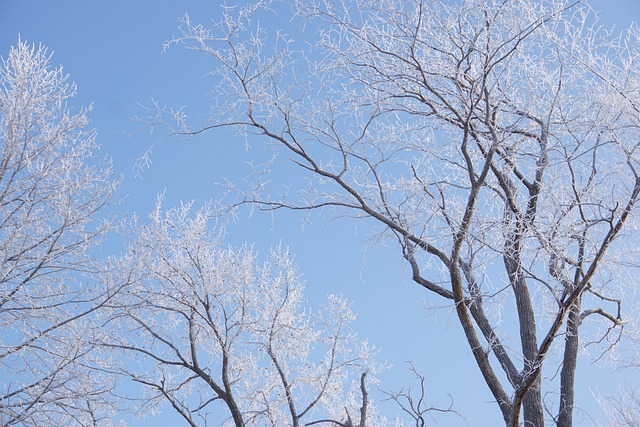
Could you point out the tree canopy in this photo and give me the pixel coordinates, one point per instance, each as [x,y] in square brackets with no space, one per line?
[495,143]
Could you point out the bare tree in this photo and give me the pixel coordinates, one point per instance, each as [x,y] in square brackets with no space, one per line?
[416,404]
[623,408]
[52,192]
[496,142]
[217,335]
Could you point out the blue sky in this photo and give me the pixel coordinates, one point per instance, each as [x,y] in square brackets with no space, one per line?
[113,51]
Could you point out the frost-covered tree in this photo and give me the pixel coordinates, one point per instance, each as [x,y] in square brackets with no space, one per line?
[218,335]
[495,142]
[52,191]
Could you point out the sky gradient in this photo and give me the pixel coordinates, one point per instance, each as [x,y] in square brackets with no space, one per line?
[114,52]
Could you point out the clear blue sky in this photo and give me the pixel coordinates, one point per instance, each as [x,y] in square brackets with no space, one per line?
[113,51]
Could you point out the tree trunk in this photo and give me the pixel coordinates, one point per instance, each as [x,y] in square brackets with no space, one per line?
[569,363]
[532,405]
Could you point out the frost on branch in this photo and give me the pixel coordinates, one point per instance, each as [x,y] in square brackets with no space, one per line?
[52,192]
[217,334]
[494,143]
